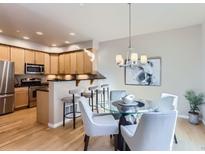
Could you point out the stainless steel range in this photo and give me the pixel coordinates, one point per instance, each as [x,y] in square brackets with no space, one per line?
[33,85]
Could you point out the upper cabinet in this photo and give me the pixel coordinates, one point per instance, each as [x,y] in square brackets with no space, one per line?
[80,62]
[47,63]
[73,63]
[88,64]
[54,63]
[4,52]
[17,56]
[39,58]
[62,63]
[67,63]
[29,56]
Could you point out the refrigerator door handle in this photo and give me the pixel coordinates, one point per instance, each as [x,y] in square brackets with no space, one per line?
[7,95]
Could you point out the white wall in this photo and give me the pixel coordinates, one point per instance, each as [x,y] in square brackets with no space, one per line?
[203,66]
[180,51]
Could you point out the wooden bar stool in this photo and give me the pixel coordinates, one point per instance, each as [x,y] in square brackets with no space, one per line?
[70,105]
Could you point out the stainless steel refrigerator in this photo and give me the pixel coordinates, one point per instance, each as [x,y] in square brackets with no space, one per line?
[6,87]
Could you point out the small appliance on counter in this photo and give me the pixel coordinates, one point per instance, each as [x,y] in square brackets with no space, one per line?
[6,87]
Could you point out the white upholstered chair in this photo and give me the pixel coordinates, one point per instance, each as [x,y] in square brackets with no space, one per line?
[154,132]
[168,102]
[96,124]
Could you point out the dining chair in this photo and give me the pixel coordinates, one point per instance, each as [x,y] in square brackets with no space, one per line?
[117,94]
[96,124]
[168,102]
[154,132]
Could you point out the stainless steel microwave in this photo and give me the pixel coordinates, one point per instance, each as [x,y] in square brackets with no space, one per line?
[34,69]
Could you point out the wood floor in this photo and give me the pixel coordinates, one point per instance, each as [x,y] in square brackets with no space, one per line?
[20,131]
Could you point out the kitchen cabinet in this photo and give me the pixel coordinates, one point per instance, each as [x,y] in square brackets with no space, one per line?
[67,63]
[47,63]
[54,64]
[42,107]
[29,56]
[73,63]
[80,62]
[4,52]
[87,65]
[39,58]
[17,56]
[62,63]
[21,97]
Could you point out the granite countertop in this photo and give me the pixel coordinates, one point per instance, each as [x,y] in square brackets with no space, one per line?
[96,76]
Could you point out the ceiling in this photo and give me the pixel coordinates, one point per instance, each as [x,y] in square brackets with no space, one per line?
[99,22]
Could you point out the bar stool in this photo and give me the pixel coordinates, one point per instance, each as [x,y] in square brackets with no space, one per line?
[94,91]
[106,89]
[69,102]
[87,95]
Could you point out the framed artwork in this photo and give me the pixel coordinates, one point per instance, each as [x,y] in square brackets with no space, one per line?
[145,75]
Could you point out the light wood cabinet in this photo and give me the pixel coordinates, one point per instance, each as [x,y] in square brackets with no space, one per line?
[39,58]
[88,65]
[79,62]
[62,63]
[42,107]
[47,63]
[67,63]
[4,52]
[21,97]
[29,56]
[54,63]
[73,63]
[17,56]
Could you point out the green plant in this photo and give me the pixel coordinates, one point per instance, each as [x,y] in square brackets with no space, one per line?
[194,100]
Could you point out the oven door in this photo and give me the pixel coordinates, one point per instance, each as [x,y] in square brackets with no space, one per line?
[34,69]
[32,96]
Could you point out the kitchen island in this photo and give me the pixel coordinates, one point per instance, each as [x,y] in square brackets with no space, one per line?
[59,88]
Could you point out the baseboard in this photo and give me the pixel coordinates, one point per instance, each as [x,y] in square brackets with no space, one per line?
[55,125]
[183,116]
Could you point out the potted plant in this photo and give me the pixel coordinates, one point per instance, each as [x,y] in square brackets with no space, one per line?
[194,102]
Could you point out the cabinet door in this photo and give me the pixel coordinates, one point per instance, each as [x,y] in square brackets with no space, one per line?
[67,63]
[39,58]
[62,63]
[73,63]
[47,63]
[21,97]
[17,56]
[88,64]
[80,62]
[54,63]
[4,52]
[29,56]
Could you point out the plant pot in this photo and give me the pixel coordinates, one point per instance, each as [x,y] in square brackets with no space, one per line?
[194,117]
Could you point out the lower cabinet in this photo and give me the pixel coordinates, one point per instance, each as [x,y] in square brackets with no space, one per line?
[21,97]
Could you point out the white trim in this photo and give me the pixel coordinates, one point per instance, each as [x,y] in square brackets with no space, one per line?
[58,124]
[183,116]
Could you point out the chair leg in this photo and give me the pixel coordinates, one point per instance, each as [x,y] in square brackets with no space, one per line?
[175,139]
[63,114]
[115,141]
[86,140]
[73,111]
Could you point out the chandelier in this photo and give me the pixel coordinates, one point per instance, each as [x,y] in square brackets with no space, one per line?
[132,59]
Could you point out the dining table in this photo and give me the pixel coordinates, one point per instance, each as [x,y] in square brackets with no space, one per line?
[127,113]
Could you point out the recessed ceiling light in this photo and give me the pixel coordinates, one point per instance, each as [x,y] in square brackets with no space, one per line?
[53,45]
[26,38]
[18,31]
[67,42]
[81,4]
[39,33]
[72,34]
[1,30]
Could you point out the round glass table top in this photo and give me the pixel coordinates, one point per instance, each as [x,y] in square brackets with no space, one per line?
[138,106]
